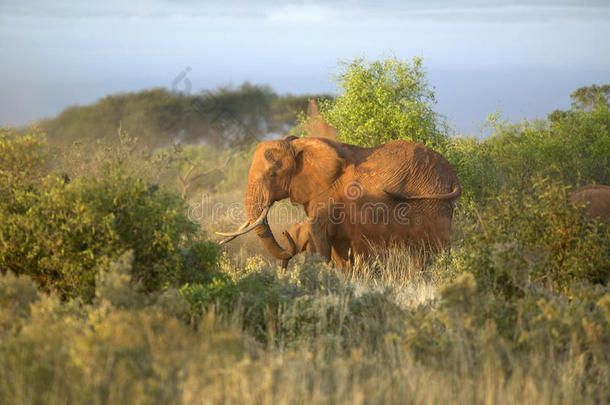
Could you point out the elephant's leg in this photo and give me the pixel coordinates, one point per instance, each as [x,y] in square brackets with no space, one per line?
[340,253]
[319,239]
[437,235]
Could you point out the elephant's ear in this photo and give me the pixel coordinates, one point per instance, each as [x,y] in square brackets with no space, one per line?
[318,165]
[274,156]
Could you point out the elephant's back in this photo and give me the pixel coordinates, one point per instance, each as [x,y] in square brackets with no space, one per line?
[408,168]
[596,188]
[597,198]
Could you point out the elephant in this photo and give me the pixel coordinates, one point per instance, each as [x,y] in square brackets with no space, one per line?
[597,199]
[354,197]
[298,238]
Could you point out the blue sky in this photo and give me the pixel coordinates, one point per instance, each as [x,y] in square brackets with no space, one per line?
[522,57]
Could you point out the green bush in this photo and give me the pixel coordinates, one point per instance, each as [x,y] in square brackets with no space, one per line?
[584,154]
[574,150]
[469,324]
[128,346]
[21,161]
[477,169]
[310,301]
[382,101]
[532,238]
[17,293]
[63,233]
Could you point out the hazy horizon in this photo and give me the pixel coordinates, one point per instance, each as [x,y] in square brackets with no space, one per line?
[523,58]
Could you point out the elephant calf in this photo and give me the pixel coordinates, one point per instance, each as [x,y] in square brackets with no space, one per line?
[299,239]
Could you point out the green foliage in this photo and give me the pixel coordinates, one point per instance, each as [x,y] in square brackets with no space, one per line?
[21,160]
[591,97]
[130,346]
[155,115]
[310,301]
[17,293]
[62,234]
[532,238]
[381,101]
[588,98]
[125,348]
[468,317]
[476,168]
[583,150]
[574,150]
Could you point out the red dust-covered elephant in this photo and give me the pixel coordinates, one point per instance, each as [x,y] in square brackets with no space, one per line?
[354,197]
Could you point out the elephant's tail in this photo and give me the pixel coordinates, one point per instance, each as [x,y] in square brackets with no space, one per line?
[457,191]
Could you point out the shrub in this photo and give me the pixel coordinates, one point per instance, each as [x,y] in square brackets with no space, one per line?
[469,324]
[123,348]
[17,294]
[127,346]
[21,161]
[63,233]
[311,301]
[477,169]
[574,150]
[382,101]
[534,238]
[584,154]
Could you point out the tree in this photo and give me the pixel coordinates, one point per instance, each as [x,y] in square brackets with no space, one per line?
[591,97]
[381,101]
[587,98]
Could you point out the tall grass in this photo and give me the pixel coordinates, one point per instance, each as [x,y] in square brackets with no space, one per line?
[129,347]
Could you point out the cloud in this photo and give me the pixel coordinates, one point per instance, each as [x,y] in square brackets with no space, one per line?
[312,11]
[307,13]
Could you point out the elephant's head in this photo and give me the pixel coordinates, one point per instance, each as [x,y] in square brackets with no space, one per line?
[295,168]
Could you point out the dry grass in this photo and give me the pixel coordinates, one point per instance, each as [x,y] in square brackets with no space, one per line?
[65,353]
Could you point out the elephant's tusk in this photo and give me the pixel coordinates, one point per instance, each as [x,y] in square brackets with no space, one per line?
[291,244]
[243,230]
[229,239]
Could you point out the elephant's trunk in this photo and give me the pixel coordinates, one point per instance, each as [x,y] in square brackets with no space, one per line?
[257,200]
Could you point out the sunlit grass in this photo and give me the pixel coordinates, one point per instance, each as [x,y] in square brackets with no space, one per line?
[141,354]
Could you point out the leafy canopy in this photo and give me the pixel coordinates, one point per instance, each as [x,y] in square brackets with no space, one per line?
[591,97]
[382,101]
